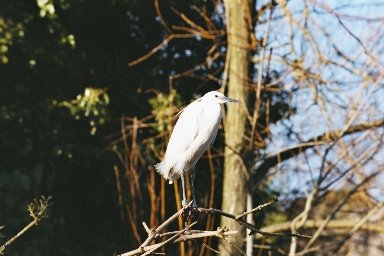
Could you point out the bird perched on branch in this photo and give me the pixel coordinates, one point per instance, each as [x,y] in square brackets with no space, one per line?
[193,134]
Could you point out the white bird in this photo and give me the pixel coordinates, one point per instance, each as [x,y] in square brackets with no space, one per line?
[193,134]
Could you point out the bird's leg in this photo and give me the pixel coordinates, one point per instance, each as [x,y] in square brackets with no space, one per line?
[194,204]
[184,201]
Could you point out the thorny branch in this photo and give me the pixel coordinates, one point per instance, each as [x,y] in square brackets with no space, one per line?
[188,234]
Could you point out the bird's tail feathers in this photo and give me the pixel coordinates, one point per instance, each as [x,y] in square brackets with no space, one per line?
[167,170]
[164,169]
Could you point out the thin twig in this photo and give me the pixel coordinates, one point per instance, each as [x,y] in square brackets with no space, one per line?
[147,229]
[179,236]
[337,209]
[169,240]
[271,160]
[162,21]
[210,248]
[158,47]
[358,226]
[162,226]
[247,225]
[333,224]
[260,71]
[37,210]
[234,245]
[258,208]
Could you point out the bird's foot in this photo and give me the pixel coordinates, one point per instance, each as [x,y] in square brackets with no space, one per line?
[194,204]
[191,212]
[185,208]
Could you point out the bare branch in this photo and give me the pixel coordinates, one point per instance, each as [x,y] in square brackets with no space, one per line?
[38,211]
[272,160]
[158,47]
[377,227]
[338,207]
[162,226]
[187,234]
[358,226]
[247,225]
[162,21]
[258,208]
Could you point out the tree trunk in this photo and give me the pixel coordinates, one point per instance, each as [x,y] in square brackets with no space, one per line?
[234,183]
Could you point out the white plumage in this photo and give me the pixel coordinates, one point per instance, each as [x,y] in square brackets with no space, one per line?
[194,132]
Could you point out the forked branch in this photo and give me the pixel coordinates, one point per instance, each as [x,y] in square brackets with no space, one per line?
[38,211]
[187,234]
[272,160]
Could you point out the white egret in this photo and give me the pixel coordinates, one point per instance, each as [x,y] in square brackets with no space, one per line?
[193,134]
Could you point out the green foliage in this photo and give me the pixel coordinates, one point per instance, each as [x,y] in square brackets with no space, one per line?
[164,108]
[92,104]
[47,9]
[9,32]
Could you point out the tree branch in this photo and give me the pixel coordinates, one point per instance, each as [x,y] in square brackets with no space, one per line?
[158,47]
[333,224]
[187,234]
[358,226]
[152,235]
[247,225]
[272,160]
[38,211]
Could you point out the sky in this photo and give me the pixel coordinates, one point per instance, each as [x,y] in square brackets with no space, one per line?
[326,106]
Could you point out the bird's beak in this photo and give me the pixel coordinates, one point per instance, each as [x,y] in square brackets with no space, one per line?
[231,100]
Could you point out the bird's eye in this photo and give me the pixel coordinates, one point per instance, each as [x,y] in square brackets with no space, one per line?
[216,95]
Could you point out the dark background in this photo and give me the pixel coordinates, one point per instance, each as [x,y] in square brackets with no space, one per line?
[45,149]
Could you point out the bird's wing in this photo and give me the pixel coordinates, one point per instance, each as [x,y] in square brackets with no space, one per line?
[185,131]
[215,129]
[183,135]
[208,123]
[181,111]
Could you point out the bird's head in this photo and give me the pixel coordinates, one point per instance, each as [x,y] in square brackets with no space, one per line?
[217,97]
